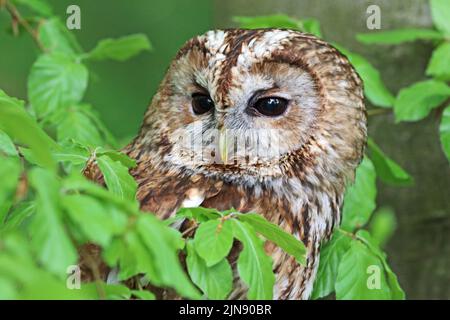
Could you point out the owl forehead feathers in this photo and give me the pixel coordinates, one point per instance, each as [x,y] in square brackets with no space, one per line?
[221,60]
[230,52]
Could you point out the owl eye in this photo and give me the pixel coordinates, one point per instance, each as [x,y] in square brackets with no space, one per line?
[201,103]
[271,106]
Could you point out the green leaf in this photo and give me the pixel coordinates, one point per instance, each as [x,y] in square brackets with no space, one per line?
[215,281]
[397,292]
[76,125]
[117,156]
[444,130]
[199,214]
[399,36]
[354,275]
[92,218]
[10,170]
[5,99]
[39,6]
[101,127]
[120,49]
[440,11]
[382,225]
[254,265]
[6,145]
[374,88]
[18,215]
[15,244]
[359,201]
[176,238]
[72,154]
[163,247]
[122,255]
[213,240]
[439,65]
[116,291]
[117,178]
[75,182]
[56,81]
[8,289]
[55,37]
[312,26]
[46,287]
[330,256]
[387,170]
[28,132]
[136,258]
[49,238]
[274,233]
[101,290]
[143,294]
[415,102]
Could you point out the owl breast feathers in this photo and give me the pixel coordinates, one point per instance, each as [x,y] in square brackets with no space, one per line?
[269,121]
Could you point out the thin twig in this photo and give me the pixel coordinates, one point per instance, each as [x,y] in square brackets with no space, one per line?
[354,236]
[188,230]
[16,16]
[347,233]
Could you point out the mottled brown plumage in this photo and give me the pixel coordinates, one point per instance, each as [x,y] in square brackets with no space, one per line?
[320,138]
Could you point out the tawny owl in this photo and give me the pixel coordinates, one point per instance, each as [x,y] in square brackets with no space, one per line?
[269,121]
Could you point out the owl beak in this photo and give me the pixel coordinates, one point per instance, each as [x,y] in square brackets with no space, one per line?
[223,145]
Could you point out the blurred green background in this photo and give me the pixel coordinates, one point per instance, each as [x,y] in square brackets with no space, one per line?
[121,92]
[420,248]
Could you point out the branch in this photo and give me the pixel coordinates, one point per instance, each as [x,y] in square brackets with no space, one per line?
[16,16]
[354,236]
[190,229]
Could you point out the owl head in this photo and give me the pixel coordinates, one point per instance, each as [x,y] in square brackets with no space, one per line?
[257,104]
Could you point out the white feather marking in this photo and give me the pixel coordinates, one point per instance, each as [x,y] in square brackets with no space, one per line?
[194,198]
[214,40]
